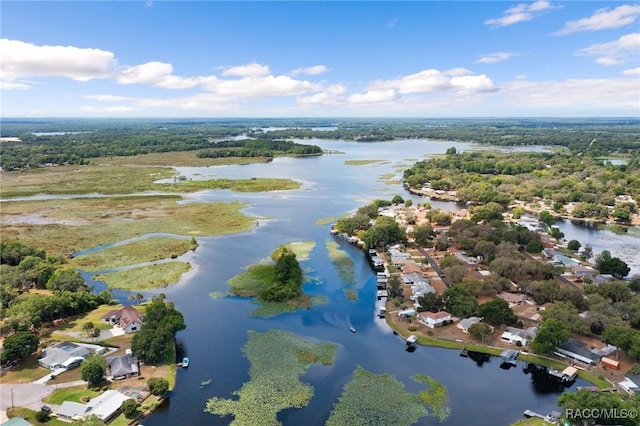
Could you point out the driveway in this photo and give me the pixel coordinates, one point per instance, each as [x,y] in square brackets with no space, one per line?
[28,395]
[104,334]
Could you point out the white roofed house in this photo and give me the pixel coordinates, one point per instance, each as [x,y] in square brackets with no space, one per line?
[466,323]
[106,406]
[434,319]
[517,336]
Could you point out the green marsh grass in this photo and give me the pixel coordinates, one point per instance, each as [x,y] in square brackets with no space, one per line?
[145,277]
[145,250]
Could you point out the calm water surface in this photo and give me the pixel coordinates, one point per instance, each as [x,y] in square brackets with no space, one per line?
[480,393]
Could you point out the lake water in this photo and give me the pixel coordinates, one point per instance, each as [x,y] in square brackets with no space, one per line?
[480,393]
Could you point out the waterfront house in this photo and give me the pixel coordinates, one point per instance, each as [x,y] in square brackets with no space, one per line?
[517,336]
[106,406]
[434,319]
[466,323]
[582,271]
[578,351]
[122,366]
[127,318]
[63,355]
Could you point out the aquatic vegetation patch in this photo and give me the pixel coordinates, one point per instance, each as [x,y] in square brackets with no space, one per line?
[345,267]
[250,283]
[325,220]
[362,162]
[302,249]
[145,277]
[236,185]
[278,359]
[217,295]
[258,281]
[375,399]
[205,383]
[145,250]
[435,397]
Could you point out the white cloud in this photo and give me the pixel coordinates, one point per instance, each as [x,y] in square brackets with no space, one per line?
[108,98]
[632,71]
[627,46]
[521,13]
[429,81]
[608,61]
[472,83]
[372,96]
[594,94]
[314,70]
[603,19]
[148,73]
[13,85]
[20,59]
[250,70]
[330,96]
[392,23]
[493,58]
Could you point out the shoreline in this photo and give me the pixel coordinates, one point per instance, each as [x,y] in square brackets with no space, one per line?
[542,360]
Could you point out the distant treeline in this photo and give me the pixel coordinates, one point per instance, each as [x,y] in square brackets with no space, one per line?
[51,141]
[78,148]
[258,148]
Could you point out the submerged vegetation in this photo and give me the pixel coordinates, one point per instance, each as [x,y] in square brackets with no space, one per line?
[380,399]
[345,267]
[278,359]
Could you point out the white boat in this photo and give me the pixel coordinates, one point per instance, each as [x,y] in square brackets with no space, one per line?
[353,330]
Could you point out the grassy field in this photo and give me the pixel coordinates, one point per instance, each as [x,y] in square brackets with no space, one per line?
[121,180]
[26,371]
[530,422]
[146,277]
[61,226]
[145,250]
[75,323]
[74,393]
[30,416]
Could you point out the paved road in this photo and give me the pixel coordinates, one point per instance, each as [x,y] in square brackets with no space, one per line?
[434,265]
[28,395]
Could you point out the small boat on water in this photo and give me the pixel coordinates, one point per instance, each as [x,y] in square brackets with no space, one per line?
[185,362]
[353,330]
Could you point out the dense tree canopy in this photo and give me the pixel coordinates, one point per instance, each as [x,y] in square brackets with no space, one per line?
[19,346]
[550,334]
[93,369]
[497,312]
[154,343]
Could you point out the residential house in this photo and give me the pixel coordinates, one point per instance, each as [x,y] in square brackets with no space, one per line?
[410,266]
[127,318]
[106,406]
[16,421]
[631,383]
[63,355]
[406,313]
[517,336]
[434,319]
[582,271]
[514,299]
[466,323]
[122,366]
[578,351]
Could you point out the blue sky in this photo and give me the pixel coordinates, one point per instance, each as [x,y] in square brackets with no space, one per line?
[320,59]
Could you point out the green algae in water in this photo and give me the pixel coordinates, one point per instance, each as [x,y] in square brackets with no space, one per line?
[435,397]
[375,399]
[278,359]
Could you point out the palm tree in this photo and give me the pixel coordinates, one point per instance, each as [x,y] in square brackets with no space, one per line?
[139,297]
